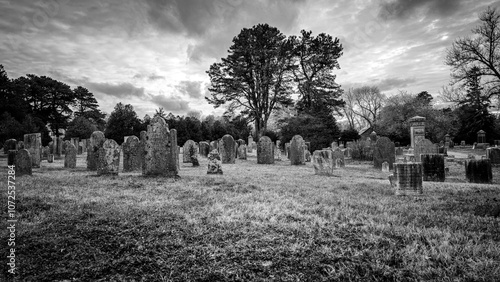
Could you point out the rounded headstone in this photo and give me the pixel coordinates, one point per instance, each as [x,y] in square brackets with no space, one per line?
[161,152]
[33,143]
[108,161]
[265,154]
[70,157]
[96,141]
[23,163]
[10,144]
[297,150]
[132,154]
[227,150]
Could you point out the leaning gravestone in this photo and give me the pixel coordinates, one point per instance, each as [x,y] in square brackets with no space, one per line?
[384,152]
[162,155]
[323,162]
[23,163]
[70,157]
[297,150]
[494,155]
[265,153]
[407,178]
[186,151]
[478,171]
[108,161]
[242,152]
[132,154]
[204,149]
[227,149]
[10,144]
[214,163]
[433,167]
[33,143]
[96,141]
[425,146]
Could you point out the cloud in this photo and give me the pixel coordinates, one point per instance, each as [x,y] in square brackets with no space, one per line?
[155,77]
[120,90]
[401,9]
[171,104]
[394,82]
[190,88]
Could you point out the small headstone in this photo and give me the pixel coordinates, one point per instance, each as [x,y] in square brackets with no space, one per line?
[186,149]
[11,157]
[493,154]
[323,162]
[462,143]
[96,141]
[33,143]
[385,167]
[339,163]
[307,155]
[478,171]
[250,144]
[132,154]
[70,157]
[297,150]
[10,144]
[265,154]
[214,163]
[373,136]
[348,153]
[23,162]
[433,167]
[384,152]
[407,178]
[193,155]
[108,161]
[50,158]
[204,149]
[227,150]
[287,150]
[242,152]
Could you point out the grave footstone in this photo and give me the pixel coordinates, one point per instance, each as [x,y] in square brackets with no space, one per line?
[384,152]
[96,141]
[227,150]
[433,167]
[70,156]
[108,161]
[407,178]
[23,163]
[33,143]
[478,171]
[323,162]
[132,154]
[265,154]
[162,156]
[214,163]
[297,150]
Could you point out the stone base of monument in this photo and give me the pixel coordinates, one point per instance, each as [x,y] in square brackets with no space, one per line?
[407,178]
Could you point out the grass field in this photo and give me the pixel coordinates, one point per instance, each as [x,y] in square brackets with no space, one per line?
[254,223]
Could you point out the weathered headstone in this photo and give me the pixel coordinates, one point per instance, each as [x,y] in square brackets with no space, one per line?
[348,153]
[96,141]
[84,145]
[108,161]
[11,157]
[265,154]
[493,154]
[323,162]
[297,150]
[186,149]
[142,147]
[70,156]
[132,154]
[23,163]
[45,152]
[33,143]
[399,151]
[383,152]
[417,129]
[478,171]
[425,146]
[162,155]
[433,167]
[10,144]
[214,163]
[277,151]
[227,150]
[242,152]
[193,155]
[407,178]
[50,158]
[204,149]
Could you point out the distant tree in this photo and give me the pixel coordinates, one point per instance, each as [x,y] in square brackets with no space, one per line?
[161,113]
[481,50]
[349,134]
[86,106]
[11,98]
[80,127]
[10,127]
[123,121]
[255,77]
[425,97]
[365,103]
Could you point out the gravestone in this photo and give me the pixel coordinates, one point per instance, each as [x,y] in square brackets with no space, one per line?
[417,129]
[425,146]
[478,171]
[265,154]
[339,163]
[50,158]
[277,151]
[59,146]
[19,145]
[338,158]
[23,162]
[227,150]
[250,144]
[108,161]
[11,157]
[96,141]
[33,143]
[65,144]
[493,154]
[308,146]
[10,144]
[385,167]
[307,155]
[323,162]
[75,141]
[287,150]
[297,150]
[84,145]
[193,155]
[384,152]
[132,154]
[186,149]
[214,145]
[407,178]
[334,145]
[399,151]
[433,167]
[70,156]
[204,149]
[142,149]
[242,152]
[214,163]
[481,136]
[45,152]
[161,151]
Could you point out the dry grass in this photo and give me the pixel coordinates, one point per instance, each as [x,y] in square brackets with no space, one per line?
[255,222]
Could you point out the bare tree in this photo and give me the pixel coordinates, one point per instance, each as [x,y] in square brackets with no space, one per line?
[481,50]
[364,103]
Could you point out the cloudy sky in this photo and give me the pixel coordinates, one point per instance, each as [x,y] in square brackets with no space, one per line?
[156,53]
